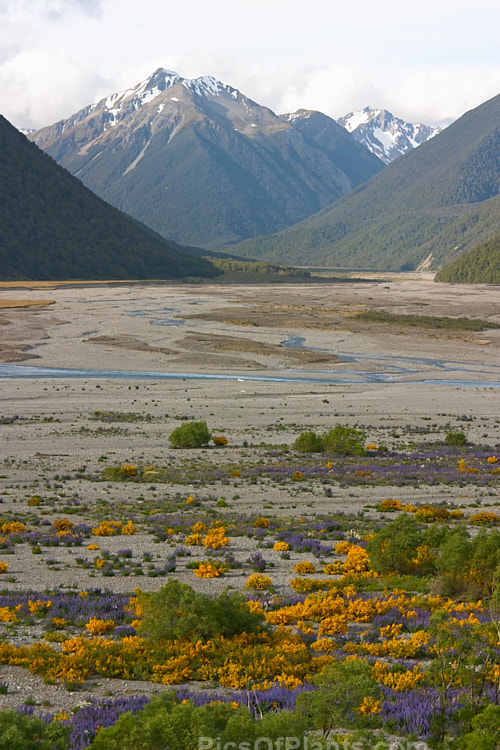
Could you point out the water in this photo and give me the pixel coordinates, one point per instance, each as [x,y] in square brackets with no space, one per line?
[292,376]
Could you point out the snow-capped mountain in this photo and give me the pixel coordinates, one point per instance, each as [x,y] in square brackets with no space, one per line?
[201,163]
[384,134]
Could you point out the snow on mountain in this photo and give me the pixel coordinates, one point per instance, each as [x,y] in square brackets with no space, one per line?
[384,134]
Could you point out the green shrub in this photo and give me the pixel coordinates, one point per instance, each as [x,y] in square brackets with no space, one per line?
[21,732]
[308,442]
[456,439]
[190,435]
[344,441]
[177,611]
[393,549]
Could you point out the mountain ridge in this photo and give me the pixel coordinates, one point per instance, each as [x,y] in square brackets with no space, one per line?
[437,200]
[384,134]
[198,161]
[54,228]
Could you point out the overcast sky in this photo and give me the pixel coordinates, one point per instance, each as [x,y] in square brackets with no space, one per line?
[426,61]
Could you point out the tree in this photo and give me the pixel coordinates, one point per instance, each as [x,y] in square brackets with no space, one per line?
[344,441]
[308,442]
[394,548]
[177,611]
[21,732]
[344,689]
[190,435]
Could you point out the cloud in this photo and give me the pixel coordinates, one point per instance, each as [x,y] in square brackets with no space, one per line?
[52,9]
[40,86]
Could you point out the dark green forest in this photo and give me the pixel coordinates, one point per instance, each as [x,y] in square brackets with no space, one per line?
[481,265]
[55,228]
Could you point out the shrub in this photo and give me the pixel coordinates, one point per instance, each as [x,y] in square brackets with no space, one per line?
[21,732]
[393,549]
[456,439]
[304,568]
[258,582]
[308,442]
[220,441]
[344,441]
[190,435]
[177,611]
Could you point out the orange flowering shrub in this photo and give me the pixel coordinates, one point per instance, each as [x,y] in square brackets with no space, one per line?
[281,547]
[306,585]
[220,441]
[334,569]
[305,567]
[38,606]
[210,570]
[128,471]
[7,614]
[389,505]
[342,548]
[492,459]
[107,528]
[63,524]
[262,523]
[93,547]
[98,627]
[193,540]
[484,518]
[215,538]
[369,706]
[357,560]
[430,513]
[4,566]
[259,582]
[129,529]
[13,527]
[59,622]
[198,527]
[333,625]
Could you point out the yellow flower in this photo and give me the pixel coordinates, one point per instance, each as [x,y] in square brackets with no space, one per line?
[129,529]
[258,581]
[281,547]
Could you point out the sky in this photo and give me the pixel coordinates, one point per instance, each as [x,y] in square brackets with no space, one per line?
[427,61]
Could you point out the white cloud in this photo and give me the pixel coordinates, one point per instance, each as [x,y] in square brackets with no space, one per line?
[425,64]
[41,86]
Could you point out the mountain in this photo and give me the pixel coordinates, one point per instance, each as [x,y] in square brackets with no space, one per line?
[52,227]
[199,162]
[423,210]
[324,133]
[384,134]
[480,265]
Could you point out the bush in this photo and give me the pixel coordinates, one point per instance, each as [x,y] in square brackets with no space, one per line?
[21,732]
[177,611]
[393,549]
[190,435]
[344,441]
[456,439]
[308,442]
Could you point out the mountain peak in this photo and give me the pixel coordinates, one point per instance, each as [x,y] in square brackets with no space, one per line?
[384,134]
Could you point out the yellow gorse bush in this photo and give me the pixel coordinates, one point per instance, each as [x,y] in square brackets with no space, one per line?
[12,527]
[281,547]
[107,528]
[389,505]
[259,582]
[305,567]
[215,538]
[484,518]
[129,529]
[63,524]
[210,570]
[98,627]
